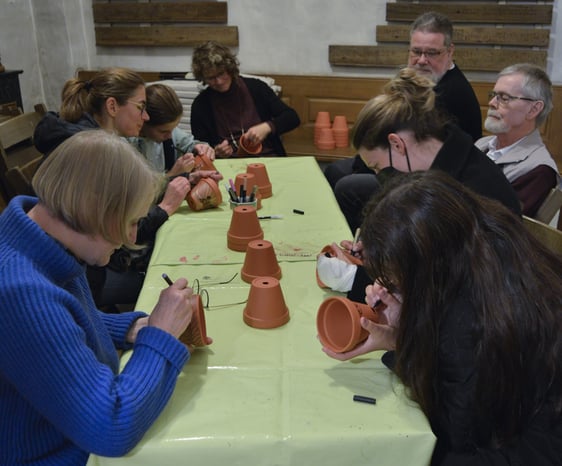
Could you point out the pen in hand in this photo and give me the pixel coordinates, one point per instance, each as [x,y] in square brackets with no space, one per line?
[355,239]
[167,279]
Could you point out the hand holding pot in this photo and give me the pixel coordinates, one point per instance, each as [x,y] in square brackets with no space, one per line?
[175,193]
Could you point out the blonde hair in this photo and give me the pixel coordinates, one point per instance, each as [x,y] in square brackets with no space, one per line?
[96,183]
[407,102]
[79,96]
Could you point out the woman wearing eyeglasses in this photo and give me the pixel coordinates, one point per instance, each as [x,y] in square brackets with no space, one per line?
[114,99]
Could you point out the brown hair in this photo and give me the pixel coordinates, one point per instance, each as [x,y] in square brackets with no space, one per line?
[89,96]
[162,105]
[212,56]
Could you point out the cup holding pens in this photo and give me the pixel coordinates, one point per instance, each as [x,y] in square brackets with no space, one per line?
[247,190]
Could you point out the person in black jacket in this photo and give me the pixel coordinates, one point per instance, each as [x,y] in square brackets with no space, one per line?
[430,54]
[473,315]
[232,106]
[401,130]
[114,99]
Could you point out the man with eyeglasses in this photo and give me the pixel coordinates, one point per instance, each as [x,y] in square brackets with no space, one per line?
[431,54]
[519,104]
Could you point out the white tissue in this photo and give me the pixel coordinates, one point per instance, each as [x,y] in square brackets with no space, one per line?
[335,273]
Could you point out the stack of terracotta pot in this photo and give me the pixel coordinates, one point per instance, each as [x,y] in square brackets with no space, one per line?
[329,136]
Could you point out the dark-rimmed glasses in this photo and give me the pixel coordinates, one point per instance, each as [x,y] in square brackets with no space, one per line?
[504,98]
[429,54]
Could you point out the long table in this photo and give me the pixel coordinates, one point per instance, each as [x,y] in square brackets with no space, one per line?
[271,397]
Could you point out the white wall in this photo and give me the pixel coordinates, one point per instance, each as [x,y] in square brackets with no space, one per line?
[50,39]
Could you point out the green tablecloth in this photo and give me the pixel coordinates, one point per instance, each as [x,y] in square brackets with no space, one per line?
[272,397]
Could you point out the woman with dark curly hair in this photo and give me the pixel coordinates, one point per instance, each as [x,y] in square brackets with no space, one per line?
[232,105]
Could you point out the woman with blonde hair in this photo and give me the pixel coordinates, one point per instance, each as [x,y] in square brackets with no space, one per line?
[62,393]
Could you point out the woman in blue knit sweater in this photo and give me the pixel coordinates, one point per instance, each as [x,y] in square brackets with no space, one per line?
[62,396]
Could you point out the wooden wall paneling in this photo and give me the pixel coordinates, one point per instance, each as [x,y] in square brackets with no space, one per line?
[474,35]
[466,12]
[160,24]
[189,36]
[160,12]
[468,58]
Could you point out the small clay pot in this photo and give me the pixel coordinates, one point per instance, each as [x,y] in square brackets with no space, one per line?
[244,227]
[204,195]
[326,139]
[328,251]
[262,178]
[203,162]
[246,147]
[338,323]
[260,261]
[196,332]
[266,306]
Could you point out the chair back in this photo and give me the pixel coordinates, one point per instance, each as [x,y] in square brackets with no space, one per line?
[551,205]
[547,235]
[17,152]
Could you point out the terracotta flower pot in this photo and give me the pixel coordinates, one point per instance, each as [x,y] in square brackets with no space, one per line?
[262,178]
[328,251]
[266,306]
[204,195]
[260,261]
[326,139]
[203,162]
[196,332]
[322,121]
[246,147]
[338,323]
[244,227]
[340,122]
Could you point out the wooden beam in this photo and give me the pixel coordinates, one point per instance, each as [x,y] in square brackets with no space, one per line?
[161,12]
[473,12]
[468,58]
[484,35]
[158,36]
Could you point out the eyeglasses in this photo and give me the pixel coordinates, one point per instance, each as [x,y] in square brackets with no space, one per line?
[429,54]
[140,105]
[220,75]
[504,98]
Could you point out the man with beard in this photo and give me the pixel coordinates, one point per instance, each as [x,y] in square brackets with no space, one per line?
[430,54]
[519,104]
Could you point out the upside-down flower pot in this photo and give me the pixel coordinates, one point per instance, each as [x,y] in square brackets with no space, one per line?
[244,227]
[266,306]
[262,178]
[260,261]
[338,323]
